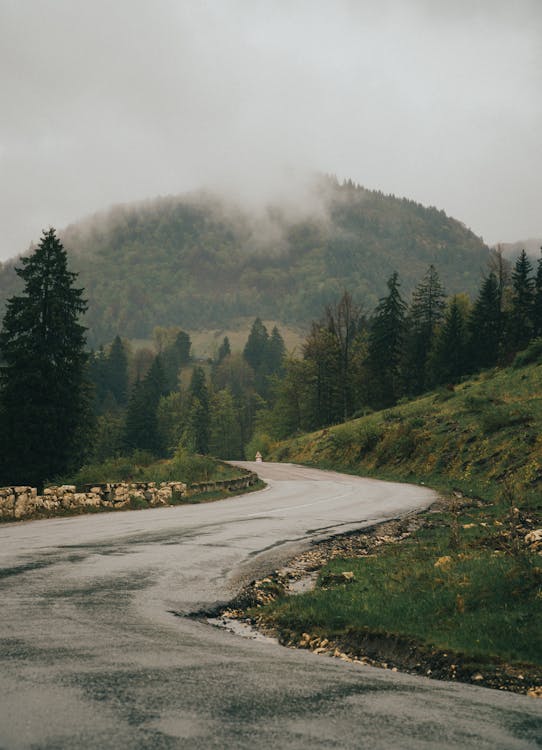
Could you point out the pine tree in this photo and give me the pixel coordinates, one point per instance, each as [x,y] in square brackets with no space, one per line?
[275,353]
[386,338]
[117,372]
[175,356]
[141,431]
[426,313]
[224,350]
[256,346]
[45,398]
[486,326]
[537,301]
[520,323]
[448,360]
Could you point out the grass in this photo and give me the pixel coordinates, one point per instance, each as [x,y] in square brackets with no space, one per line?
[484,597]
[473,601]
[142,467]
[471,439]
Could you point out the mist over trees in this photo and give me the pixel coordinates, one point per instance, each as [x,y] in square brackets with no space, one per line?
[158,400]
[202,261]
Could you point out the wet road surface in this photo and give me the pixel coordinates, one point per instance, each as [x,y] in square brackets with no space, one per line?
[91,655]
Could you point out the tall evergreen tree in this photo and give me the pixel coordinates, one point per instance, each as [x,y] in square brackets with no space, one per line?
[256,346]
[448,358]
[275,353]
[520,321]
[141,431]
[426,313]
[537,301]
[486,326]
[117,372]
[386,337]
[45,399]
[224,350]
[174,356]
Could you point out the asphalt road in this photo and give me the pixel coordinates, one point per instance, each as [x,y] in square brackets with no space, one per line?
[91,655]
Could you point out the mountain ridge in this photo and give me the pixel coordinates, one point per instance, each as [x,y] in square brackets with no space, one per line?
[199,260]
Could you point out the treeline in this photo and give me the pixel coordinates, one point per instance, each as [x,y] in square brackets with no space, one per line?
[353,362]
[166,401]
[202,262]
[61,407]
[350,362]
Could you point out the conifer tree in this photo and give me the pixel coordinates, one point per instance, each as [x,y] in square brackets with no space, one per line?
[426,313]
[275,353]
[141,431]
[537,300]
[486,326]
[520,323]
[256,346]
[224,350]
[45,398]
[449,356]
[385,346]
[117,372]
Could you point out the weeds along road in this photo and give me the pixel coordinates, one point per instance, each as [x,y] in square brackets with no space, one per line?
[92,657]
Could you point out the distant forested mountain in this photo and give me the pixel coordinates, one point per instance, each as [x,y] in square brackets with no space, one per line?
[198,260]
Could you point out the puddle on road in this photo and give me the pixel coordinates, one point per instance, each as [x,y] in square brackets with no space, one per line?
[239,627]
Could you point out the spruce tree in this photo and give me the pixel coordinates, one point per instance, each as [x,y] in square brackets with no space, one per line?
[486,326]
[45,398]
[520,323]
[426,313]
[224,350]
[386,337]
[117,372]
[449,356]
[537,300]
[141,430]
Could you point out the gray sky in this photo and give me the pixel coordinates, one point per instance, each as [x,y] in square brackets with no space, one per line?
[110,101]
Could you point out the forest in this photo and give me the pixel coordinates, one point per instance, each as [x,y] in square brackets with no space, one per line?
[65,407]
[351,362]
[201,261]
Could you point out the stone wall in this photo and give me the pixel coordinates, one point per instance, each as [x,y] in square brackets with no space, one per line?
[18,503]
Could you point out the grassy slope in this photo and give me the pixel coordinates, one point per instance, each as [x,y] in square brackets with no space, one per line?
[485,432]
[483,599]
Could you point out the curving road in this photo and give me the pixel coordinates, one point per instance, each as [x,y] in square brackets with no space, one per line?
[91,655]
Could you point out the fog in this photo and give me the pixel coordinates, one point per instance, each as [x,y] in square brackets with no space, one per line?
[106,102]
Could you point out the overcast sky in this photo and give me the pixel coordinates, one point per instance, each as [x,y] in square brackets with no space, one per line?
[110,101]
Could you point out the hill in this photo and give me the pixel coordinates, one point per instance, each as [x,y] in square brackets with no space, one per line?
[475,438]
[199,261]
[456,593]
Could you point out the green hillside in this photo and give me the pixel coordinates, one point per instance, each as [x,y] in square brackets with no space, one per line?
[455,594]
[200,262]
[484,433]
